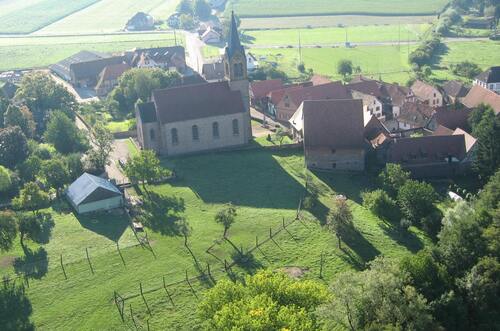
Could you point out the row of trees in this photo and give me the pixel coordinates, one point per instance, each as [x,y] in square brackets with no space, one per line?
[191,10]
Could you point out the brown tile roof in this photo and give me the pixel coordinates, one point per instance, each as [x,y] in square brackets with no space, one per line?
[334,90]
[426,149]
[417,113]
[262,88]
[442,131]
[452,118]
[396,93]
[213,70]
[114,71]
[478,95]
[277,95]
[333,124]
[160,55]
[374,127]
[197,101]
[320,80]
[455,89]
[370,87]
[470,141]
[423,90]
[91,69]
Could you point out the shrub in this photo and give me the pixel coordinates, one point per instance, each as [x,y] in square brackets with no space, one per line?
[381,204]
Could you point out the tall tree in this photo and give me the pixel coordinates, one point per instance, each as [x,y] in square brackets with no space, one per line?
[32,198]
[30,168]
[488,138]
[416,200]
[43,95]
[63,133]
[102,140]
[55,173]
[8,229]
[145,168]
[339,220]
[20,116]
[13,146]
[392,178]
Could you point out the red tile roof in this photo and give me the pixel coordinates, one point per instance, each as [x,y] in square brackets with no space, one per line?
[452,118]
[114,71]
[334,90]
[427,149]
[197,101]
[333,124]
[478,95]
[442,131]
[262,88]
[423,90]
[320,80]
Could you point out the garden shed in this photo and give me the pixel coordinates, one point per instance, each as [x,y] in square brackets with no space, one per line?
[90,193]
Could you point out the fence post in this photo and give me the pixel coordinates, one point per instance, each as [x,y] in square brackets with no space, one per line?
[256,241]
[270,233]
[62,266]
[88,259]
[144,298]
[118,307]
[168,294]
[225,265]
[321,267]
[283,222]
[132,315]
[120,253]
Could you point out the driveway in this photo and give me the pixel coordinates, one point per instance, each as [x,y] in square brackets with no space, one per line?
[194,56]
[113,169]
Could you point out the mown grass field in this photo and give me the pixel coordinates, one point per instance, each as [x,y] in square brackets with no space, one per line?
[257,23]
[109,16]
[29,52]
[263,8]
[325,36]
[36,15]
[387,62]
[264,186]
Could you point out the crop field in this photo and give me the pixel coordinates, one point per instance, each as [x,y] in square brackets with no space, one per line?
[264,186]
[387,62]
[325,36]
[257,23]
[108,16]
[29,52]
[40,14]
[265,8]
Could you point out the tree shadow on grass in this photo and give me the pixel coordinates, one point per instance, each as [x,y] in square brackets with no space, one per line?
[245,178]
[247,262]
[161,214]
[16,307]
[440,51]
[350,185]
[107,224]
[33,264]
[402,237]
[362,247]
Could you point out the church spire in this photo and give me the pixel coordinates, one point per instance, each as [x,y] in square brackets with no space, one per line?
[233,39]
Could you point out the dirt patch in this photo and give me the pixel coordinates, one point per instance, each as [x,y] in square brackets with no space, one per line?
[294,272]
[7,261]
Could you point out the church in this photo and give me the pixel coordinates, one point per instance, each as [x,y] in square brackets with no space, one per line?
[200,117]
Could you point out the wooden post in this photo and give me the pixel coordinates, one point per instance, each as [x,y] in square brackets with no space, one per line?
[208,270]
[88,259]
[118,307]
[256,241]
[270,233]
[120,253]
[147,323]
[144,298]
[283,222]
[168,294]
[62,266]
[321,267]
[225,265]
[132,315]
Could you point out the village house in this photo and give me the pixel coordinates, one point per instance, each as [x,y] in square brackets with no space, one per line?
[427,93]
[454,91]
[260,90]
[478,95]
[140,22]
[86,74]
[200,117]
[213,71]
[108,78]
[333,134]
[489,79]
[63,68]
[412,115]
[211,36]
[169,58]
[450,119]
[291,98]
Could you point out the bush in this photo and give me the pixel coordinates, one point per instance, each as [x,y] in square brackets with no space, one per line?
[424,53]
[416,200]
[381,204]
[466,69]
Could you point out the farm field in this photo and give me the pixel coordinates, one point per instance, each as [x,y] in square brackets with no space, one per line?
[324,36]
[263,8]
[483,53]
[29,52]
[258,23]
[38,14]
[108,16]
[265,187]
[389,63]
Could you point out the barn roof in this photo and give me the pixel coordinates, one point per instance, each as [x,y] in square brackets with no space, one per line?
[89,188]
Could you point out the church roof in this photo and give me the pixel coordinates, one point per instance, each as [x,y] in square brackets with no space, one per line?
[233,39]
[198,101]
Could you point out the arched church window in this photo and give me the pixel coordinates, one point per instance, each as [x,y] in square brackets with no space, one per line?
[236,127]
[196,134]
[152,134]
[175,136]
[215,130]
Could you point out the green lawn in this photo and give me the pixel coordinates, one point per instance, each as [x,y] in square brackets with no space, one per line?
[260,8]
[483,53]
[119,126]
[109,16]
[264,186]
[42,51]
[39,14]
[387,62]
[324,36]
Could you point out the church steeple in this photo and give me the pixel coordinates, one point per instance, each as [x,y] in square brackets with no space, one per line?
[235,61]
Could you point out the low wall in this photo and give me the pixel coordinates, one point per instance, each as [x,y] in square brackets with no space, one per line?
[125,134]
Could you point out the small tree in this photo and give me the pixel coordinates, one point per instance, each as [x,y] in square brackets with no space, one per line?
[5,179]
[488,151]
[226,218]
[281,134]
[55,173]
[102,139]
[345,68]
[145,168]
[64,135]
[416,200]
[30,227]
[8,229]
[392,178]
[340,219]
[31,197]
[21,117]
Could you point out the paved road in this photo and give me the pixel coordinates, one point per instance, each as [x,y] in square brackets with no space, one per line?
[194,56]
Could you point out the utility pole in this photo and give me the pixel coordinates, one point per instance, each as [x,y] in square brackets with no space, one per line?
[300,49]
[175,37]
